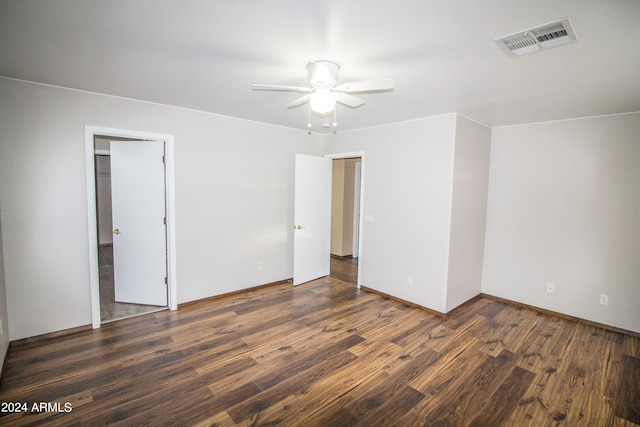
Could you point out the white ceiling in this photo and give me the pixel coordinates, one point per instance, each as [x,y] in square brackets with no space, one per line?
[205,54]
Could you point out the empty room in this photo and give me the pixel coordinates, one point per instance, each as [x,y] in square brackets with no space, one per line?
[319,213]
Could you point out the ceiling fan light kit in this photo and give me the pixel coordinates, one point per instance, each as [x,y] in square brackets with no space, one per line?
[323,94]
[322,102]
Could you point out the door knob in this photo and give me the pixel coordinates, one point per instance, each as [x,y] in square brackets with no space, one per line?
[116,231]
[298,227]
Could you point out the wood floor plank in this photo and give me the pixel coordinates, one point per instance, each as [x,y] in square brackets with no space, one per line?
[205,356]
[508,330]
[219,419]
[340,418]
[375,358]
[410,335]
[495,411]
[577,375]
[284,412]
[543,351]
[478,391]
[161,409]
[454,400]
[326,353]
[373,404]
[626,404]
[349,313]
[344,269]
[288,386]
[631,345]
[336,406]
[389,406]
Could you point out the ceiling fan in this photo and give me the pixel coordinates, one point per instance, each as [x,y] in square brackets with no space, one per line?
[323,94]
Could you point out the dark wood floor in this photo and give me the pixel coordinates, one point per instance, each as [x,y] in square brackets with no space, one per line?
[345,269]
[327,354]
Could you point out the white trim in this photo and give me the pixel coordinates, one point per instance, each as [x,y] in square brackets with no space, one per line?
[356,205]
[450,214]
[473,120]
[172,276]
[92,223]
[351,155]
[89,133]
[396,123]
[566,120]
[305,130]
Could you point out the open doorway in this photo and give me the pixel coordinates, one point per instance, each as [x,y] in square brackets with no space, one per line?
[111,307]
[345,218]
[137,142]
[312,218]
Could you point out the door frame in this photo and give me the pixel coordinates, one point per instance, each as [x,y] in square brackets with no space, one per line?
[356,204]
[94,272]
[351,155]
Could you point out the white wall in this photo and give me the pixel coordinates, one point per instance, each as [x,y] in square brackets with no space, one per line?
[233,190]
[564,207]
[468,211]
[342,206]
[407,199]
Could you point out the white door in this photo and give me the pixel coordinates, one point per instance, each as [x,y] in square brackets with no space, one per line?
[312,218]
[138,209]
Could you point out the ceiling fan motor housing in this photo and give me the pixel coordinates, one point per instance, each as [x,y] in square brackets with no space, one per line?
[323,74]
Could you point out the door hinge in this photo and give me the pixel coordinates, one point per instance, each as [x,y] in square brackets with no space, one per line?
[163,160]
[166,281]
[165,220]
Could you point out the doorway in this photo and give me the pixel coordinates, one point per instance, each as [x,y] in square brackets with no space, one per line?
[112,305]
[345,218]
[100,249]
[313,190]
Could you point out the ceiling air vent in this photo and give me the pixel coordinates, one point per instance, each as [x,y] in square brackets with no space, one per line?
[539,38]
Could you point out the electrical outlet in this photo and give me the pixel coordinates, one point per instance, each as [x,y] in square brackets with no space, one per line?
[260,265]
[604,299]
[551,287]
[409,280]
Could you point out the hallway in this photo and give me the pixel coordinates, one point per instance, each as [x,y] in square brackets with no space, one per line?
[344,269]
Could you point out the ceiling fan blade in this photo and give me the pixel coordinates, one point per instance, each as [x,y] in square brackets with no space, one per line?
[380,85]
[298,102]
[282,88]
[348,100]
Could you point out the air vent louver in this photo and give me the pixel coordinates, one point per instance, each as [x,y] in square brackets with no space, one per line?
[551,35]
[535,39]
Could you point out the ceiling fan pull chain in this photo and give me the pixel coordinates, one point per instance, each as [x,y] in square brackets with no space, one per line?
[309,122]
